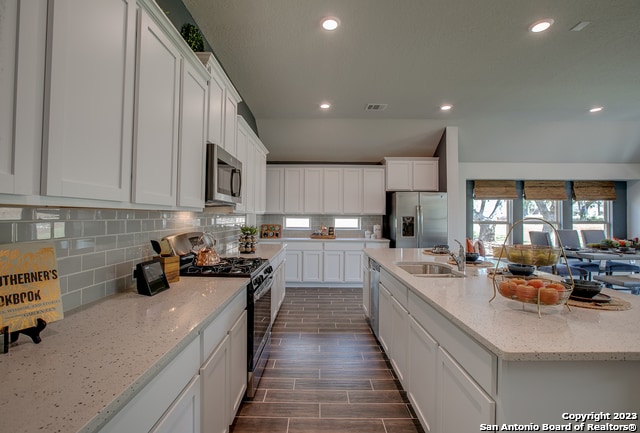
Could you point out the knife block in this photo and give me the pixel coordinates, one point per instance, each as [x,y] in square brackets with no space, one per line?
[171,267]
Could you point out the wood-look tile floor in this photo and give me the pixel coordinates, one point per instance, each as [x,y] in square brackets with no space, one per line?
[326,372]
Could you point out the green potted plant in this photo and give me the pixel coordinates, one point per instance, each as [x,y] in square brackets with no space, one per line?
[193,37]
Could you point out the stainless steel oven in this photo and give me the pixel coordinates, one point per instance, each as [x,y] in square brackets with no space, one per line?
[223,177]
[259,317]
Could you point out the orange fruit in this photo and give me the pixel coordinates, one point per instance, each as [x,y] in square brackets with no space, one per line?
[526,293]
[507,288]
[537,283]
[549,296]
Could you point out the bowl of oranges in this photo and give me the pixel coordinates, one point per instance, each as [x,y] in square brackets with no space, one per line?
[532,289]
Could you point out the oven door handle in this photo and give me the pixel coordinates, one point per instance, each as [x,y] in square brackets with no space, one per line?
[263,288]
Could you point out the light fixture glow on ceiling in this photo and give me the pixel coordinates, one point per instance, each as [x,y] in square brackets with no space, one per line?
[330,23]
[595,109]
[325,105]
[446,107]
[541,26]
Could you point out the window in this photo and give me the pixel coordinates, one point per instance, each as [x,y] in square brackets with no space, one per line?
[549,210]
[592,215]
[492,221]
[347,223]
[297,223]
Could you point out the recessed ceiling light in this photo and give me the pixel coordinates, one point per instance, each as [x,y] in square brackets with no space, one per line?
[446,107]
[330,23]
[325,105]
[595,109]
[541,26]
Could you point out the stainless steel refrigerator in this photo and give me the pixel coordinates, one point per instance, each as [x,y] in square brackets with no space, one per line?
[417,219]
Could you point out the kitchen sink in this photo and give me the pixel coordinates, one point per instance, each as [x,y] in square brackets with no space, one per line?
[435,270]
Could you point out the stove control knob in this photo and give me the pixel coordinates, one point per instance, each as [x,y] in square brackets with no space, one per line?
[268,270]
[257,281]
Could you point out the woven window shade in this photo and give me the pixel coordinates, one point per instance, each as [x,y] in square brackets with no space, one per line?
[545,190]
[593,190]
[494,189]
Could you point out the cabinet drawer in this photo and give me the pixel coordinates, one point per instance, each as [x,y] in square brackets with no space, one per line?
[397,289]
[343,246]
[475,359]
[215,332]
[304,246]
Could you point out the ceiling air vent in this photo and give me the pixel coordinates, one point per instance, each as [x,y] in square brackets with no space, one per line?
[375,107]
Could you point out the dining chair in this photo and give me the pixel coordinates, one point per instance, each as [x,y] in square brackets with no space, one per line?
[569,238]
[592,236]
[540,238]
[544,239]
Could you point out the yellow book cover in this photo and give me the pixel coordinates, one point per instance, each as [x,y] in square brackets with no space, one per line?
[29,285]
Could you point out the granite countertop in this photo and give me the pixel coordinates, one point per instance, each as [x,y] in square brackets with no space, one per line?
[515,333]
[91,363]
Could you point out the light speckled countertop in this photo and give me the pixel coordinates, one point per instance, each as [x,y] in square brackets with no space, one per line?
[98,357]
[337,239]
[514,334]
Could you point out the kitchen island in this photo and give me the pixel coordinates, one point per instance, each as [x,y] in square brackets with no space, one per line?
[94,362]
[498,362]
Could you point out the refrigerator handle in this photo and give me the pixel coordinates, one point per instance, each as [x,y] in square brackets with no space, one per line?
[419,228]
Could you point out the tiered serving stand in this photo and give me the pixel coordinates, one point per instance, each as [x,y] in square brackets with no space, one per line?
[509,286]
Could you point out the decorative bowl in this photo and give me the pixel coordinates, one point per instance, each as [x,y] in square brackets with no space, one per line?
[535,255]
[584,288]
[471,257]
[518,269]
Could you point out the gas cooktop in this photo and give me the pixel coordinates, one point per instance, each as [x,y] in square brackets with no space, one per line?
[227,267]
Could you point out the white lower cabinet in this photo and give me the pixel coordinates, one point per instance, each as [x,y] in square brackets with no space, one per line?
[151,403]
[312,266]
[422,368]
[215,388]
[385,312]
[278,290]
[333,266]
[450,379]
[293,271]
[237,368]
[330,262]
[184,414]
[459,394]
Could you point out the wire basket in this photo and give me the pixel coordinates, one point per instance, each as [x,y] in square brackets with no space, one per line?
[533,289]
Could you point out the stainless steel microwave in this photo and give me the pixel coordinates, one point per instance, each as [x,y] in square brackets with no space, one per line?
[224,177]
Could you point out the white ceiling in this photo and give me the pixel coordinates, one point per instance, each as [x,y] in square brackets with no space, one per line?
[517,96]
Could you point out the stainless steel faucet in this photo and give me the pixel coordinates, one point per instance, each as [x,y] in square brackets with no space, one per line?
[461,258]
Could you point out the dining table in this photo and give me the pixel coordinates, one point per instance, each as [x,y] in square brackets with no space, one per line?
[603,256]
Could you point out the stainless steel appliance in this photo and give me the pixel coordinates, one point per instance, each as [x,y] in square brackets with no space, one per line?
[223,183]
[260,274]
[417,219]
[374,289]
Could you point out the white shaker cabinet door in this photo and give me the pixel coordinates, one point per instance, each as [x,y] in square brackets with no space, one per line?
[352,191]
[22,55]
[215,390]
[184,414]
[192,138]
[274,202]
[156,138]
[90,97]
[237,368]
[422,371]
[459,394]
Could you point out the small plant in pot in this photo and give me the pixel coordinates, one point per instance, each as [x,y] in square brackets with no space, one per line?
[193,37]
[249,233]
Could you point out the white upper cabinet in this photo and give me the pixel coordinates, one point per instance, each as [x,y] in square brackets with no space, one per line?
[158,109]
[313,190]
[192,151]
[373,197]
[411,174]
[90,95]
[22,56]
[253,155]
[275,190]
[325,190]
[222,120]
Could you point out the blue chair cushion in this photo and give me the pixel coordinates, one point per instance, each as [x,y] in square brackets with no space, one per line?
[562,270]
[621,267]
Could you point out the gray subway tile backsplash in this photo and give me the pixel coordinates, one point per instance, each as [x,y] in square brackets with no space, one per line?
[97,249]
